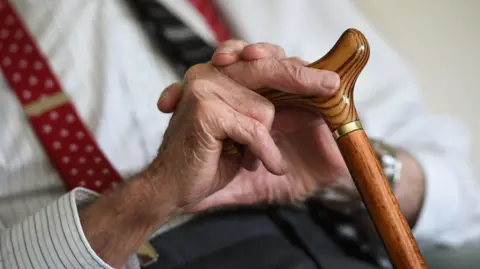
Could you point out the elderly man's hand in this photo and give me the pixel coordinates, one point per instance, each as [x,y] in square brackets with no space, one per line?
[290,151]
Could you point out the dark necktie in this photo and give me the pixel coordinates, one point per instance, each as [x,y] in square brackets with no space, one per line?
[174,39]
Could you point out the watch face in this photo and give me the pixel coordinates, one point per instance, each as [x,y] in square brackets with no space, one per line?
[386,155]
[388,160]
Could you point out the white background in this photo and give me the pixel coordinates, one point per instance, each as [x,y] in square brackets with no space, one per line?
[440,40]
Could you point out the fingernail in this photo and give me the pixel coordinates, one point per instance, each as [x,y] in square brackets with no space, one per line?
[224,50]
[331,81]
[162,97]
[260,48]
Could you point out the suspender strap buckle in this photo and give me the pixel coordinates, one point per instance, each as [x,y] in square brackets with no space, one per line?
[147,254]
[45,104]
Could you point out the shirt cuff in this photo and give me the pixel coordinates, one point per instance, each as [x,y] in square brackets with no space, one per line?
[53,238]
[437,212]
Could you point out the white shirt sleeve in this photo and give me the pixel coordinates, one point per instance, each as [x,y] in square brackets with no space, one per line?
[388,101]
[53,238]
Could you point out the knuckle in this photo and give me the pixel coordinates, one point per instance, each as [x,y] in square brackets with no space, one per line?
[267,109]
[258,131]
[202,110]
[279,51]
[296,73]
[233,43]
[261,73]
[197,89]
[196,71]
[196,99]
[235,120]
[264,66]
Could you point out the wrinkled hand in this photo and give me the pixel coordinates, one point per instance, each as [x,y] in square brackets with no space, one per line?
[290,152]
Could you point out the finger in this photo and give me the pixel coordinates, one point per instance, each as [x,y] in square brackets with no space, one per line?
[250,132]
[243,100]
[237,97]
[170,98]
[286,76]
[228,52]
[262,50]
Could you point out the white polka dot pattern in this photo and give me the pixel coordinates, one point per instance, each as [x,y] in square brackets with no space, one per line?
[65,138]
[51,237]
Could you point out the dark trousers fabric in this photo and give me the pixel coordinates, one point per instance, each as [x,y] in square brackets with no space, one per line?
[280,238]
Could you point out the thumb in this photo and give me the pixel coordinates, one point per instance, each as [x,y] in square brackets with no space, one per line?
[170,98]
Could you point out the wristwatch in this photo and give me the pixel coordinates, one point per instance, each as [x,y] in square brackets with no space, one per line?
[340,197]
[388,158]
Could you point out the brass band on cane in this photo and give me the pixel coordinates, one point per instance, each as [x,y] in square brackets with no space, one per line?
[347,128]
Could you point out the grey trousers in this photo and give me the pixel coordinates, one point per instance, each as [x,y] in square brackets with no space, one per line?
[251,238]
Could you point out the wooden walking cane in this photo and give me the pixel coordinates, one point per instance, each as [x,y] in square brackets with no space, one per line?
[347,58]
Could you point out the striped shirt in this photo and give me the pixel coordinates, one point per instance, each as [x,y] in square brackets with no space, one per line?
[110,70]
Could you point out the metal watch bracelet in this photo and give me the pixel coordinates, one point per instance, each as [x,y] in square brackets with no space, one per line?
[387,156]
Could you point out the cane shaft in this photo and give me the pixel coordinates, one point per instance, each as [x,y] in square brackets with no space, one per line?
[347,58]
[380,200]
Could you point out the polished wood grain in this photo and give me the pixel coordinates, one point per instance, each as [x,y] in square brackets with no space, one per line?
[380,200]
[347,58]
